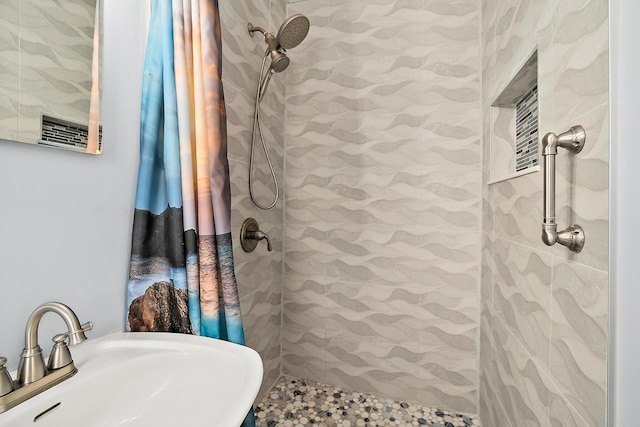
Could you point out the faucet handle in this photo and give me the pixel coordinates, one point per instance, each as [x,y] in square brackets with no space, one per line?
[260,235]
[60,355]
[6,382]
[76,336]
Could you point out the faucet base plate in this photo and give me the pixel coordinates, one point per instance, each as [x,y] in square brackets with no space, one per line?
[248,226]
[27,391]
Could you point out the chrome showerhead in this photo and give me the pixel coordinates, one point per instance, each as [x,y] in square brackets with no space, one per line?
[292,31]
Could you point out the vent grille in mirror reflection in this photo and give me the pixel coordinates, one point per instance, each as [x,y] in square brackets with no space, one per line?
[65,134]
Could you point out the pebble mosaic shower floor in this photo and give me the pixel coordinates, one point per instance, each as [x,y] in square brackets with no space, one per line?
[297,402]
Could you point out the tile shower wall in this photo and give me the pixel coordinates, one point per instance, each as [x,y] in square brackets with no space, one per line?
[543,357]
[383,199]
[259,273]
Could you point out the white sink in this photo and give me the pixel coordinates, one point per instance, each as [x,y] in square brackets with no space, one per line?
[149,380]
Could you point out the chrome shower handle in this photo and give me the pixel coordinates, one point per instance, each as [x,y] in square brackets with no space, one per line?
[573,141]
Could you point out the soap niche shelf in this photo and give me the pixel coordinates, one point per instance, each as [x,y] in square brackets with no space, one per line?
[514,126]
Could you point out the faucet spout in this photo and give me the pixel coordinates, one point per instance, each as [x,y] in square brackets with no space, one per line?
[31,367]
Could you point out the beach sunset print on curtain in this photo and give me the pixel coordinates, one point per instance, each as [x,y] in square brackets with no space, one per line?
[182,275]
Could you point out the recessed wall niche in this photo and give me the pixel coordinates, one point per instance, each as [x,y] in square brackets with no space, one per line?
[514,125]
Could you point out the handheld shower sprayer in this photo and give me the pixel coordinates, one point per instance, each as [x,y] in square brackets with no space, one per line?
[291,33]
[265,83]
[279,62]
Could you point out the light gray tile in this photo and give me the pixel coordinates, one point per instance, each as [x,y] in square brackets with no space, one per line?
[423,259]
[579,338]
[306,304]
[523,296]
[241,54]
[306,249]
[9,69]
[450,321]
[522,384]
[449,380]
[581,57]
[303,353]
[374,367]
[517,206]
[562,414]
[262,325]
[375,312]
[51,35]
[491,412]
[383,193]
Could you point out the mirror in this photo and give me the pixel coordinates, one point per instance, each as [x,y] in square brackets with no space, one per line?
[50,73]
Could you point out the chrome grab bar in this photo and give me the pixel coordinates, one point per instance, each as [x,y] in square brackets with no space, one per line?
[573,141]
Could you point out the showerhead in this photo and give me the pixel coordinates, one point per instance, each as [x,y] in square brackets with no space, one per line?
[292,31]
[279,62]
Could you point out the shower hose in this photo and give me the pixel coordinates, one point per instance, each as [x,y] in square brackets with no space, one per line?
[257,131]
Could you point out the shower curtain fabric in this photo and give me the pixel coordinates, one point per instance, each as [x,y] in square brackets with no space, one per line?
[181,275]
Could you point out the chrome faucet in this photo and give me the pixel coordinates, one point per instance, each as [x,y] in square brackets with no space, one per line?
[33,376]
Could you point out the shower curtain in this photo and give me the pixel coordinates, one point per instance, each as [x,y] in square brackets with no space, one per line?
[181,276]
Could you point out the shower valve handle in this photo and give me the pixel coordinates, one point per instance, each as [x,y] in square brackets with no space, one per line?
[259,235]
[250,235]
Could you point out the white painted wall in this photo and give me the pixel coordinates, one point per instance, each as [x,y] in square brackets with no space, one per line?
[625,211]
[65,218]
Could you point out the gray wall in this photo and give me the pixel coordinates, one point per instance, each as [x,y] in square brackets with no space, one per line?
[383,199]
[543,342]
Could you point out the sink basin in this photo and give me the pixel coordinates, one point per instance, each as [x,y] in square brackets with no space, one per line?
[149,379]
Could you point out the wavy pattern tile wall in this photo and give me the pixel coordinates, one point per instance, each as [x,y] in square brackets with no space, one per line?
[383,198]
[259,274]
[543,353]
[45,62]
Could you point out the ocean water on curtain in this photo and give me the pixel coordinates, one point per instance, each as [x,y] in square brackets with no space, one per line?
[220,305]
[144,272]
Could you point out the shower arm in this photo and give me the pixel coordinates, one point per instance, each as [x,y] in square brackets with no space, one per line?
[573,141]
[269,38]
[253,29]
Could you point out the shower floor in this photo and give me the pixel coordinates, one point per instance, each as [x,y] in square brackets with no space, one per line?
[295,402]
